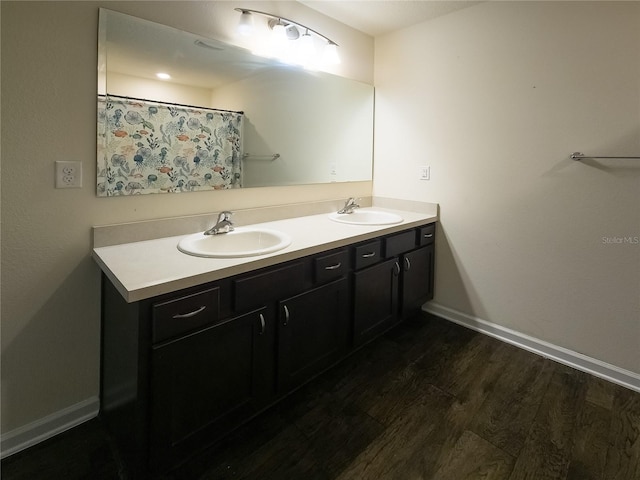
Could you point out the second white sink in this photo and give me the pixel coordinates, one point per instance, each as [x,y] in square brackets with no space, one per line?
[366,217]
[241,242]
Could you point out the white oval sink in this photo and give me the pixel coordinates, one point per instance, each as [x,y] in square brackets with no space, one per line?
[241,242]
[366,217]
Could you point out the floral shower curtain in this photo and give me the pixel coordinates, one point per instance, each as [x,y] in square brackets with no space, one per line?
[152,147]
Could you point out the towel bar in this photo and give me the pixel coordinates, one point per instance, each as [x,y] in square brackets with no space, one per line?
[580,156]
[264,157]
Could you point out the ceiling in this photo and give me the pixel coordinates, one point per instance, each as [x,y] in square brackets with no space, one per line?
[379,17]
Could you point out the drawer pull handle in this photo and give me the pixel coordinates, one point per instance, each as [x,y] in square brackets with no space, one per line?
[262,325]
[397,269]
[190,314]
[428,235]
[369,255]
[334,267]
[407,264]
[286,315]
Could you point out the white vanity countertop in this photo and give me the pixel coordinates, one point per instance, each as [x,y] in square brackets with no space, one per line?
[148,268]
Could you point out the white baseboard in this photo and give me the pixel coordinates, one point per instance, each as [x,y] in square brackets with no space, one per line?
[576,360]
[44,428]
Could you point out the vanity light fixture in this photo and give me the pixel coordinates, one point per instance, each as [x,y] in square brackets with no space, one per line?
[284,29]
[245,27]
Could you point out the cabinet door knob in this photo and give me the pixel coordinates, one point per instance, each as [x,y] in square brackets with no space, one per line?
[286,315]
[190,314]
[407,264]
[262,325]
[333,267]
[368,255]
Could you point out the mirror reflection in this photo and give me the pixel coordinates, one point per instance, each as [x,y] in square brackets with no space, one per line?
[228,118]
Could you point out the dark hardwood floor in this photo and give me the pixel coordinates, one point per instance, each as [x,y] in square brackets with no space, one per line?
[427,400]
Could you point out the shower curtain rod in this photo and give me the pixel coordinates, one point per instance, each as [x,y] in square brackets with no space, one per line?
[108,95]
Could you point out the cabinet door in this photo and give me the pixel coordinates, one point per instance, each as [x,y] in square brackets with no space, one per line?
[417,279]
[313,330]
[205,383]
[375,297]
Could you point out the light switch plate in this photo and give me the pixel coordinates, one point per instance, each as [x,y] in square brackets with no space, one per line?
[425,172]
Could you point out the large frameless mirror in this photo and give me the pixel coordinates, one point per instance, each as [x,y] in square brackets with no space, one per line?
[225,119]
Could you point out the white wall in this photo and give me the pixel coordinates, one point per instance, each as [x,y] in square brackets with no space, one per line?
[494,98]
[50,284]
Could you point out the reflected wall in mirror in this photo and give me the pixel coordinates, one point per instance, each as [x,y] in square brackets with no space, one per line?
[299,126]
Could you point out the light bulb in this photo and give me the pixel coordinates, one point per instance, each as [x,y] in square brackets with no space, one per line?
[307,48]
[279,43]
[331,56]
[279,33]
[245,26]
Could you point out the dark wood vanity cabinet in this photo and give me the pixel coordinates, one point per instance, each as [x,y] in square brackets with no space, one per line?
[375,300]
[314,327]
[387,291]
[181,370]
[205,383]
[417,279]
[313,333]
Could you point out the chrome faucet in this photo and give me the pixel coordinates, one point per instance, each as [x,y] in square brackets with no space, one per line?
[224,224]
[349,206]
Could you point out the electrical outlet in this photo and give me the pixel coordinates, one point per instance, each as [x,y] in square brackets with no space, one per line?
[425,173]
[68,174]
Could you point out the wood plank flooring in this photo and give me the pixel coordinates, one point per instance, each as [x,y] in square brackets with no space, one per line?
[427,400]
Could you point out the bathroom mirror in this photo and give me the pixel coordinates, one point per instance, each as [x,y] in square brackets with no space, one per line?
[298,127]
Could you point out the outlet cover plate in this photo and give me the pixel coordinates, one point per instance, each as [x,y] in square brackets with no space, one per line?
[68,174]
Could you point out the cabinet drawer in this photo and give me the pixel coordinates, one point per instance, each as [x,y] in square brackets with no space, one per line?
[183,314]
[256,290]
[330,267]
[400,243]
[367,254]
[426,234]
